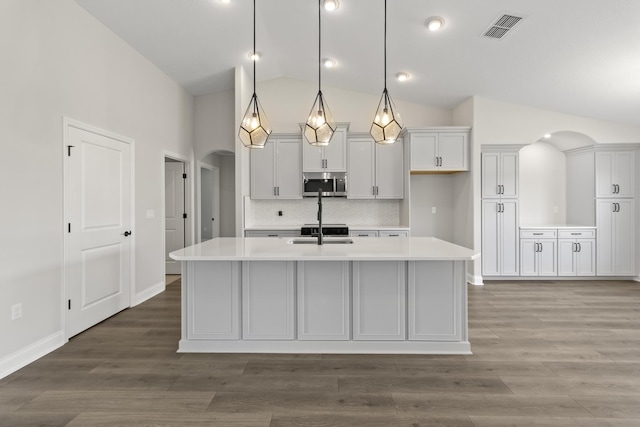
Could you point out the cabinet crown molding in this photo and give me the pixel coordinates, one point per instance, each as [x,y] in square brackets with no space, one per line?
[436,129]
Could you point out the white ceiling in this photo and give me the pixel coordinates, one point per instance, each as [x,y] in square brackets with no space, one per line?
[575,56]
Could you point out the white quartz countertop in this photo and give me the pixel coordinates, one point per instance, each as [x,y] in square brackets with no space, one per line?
[558,226]
[351,227]
[362,249]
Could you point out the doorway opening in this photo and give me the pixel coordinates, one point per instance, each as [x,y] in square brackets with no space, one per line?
[176,210]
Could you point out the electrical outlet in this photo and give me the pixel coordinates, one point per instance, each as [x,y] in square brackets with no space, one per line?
[433,210]
[279,213]
[16,311]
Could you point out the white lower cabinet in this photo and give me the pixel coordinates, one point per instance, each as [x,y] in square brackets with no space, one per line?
[379,296]
[435,309]
[576,253]
[615,219]
[538,253]
[214,305]
[268,296]
[500,237]
[324,300]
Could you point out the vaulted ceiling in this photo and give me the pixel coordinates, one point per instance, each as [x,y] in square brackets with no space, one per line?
[580,57]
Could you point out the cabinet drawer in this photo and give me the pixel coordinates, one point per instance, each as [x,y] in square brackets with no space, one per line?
[577,234]
[363,233]
[538,234]
[393,233]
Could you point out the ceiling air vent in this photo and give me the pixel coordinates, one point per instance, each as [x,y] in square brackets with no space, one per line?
[502,26]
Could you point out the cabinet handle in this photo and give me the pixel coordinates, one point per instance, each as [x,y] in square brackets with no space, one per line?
[373,190]
[538,234]
[574,247]
[579,247]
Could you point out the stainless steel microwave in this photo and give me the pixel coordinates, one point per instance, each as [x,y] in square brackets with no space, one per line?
[331,184]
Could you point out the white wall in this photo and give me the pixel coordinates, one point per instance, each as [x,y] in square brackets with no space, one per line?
[58,61]
[214,123]
[542,185]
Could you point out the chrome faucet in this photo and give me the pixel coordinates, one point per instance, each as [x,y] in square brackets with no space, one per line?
[319,216]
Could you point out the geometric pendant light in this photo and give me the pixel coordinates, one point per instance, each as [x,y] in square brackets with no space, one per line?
[254,128]
[320,125]
[387,123]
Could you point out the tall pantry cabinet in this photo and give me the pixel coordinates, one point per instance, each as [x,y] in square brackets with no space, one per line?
[615,212]
[500,247]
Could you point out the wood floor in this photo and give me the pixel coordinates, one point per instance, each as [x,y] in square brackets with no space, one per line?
[545,354]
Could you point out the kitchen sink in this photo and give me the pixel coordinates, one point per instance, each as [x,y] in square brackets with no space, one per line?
[314,241]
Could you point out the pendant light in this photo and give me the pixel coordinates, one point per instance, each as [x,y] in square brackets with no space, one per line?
[320,125]
[387,123]
[255,128]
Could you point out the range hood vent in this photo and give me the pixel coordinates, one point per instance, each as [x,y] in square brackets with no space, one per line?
[502,26]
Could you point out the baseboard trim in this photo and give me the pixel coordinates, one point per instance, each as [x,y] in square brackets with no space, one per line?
[474,280]
[21,358]
[154,290]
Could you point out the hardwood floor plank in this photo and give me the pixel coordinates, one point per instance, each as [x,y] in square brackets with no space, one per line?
[611,406]
[598,369]
[338,420]
[487,404]
[204,419]
[362,366]
[301,403]
[31,419]
[551,422]
[474,368]
[266,384]
[594,386]
[119,402]
[422,384]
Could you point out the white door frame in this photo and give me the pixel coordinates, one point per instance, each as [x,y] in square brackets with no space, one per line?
[216,197]
[189,198]
[71,123]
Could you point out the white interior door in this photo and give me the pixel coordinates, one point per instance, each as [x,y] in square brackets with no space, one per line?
[98,243]
[174,209]
[207,201]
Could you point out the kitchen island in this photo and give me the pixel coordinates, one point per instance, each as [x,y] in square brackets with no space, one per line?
[290,295]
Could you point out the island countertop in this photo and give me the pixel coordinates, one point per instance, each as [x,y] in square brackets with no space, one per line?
[362,249]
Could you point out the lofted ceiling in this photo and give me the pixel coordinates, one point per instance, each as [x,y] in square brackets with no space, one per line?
[579,57]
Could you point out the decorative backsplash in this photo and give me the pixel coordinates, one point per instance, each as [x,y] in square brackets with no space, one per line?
[334,211]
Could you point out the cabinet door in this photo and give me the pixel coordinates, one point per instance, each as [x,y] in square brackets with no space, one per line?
[379,290]
[528,264]
[361,172]
[289,169]
[490,238]
[423,151]
[586,257]
[490,175]
[263,172]
[509,238]
[389,170]
[547,258]
[452,150]
[335,153]
[323,300]
[312,157]
[434,300]
[606,240]
[268,300]
[615,174]
[509,174]
[566,257]
[624,238]
[623,174]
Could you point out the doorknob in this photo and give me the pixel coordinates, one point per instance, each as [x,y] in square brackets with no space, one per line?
[127,233]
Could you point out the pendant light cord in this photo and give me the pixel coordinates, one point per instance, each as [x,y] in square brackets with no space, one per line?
[385,45]
[319,45]
[254,47]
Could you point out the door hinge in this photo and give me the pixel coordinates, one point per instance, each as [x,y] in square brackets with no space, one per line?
[184,176]
[69,147]
[69,228]
[184,215]
[69,304]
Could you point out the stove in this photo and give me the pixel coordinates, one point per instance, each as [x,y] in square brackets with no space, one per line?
[329,230]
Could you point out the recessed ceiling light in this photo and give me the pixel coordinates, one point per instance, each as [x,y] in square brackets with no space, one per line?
[403,77]
[254,56]
[434,23]
[225,1]
[331,5]
[329,63]
[547,135]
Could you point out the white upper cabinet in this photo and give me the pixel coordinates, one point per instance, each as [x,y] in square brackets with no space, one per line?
[438,150]
[615,174]
[500,174]
[331,158]
[375,171]
[276,171]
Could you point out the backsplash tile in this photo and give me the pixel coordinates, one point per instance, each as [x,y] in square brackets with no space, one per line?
[334,210]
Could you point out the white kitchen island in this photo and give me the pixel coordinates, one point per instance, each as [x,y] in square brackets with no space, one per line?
[384,295]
